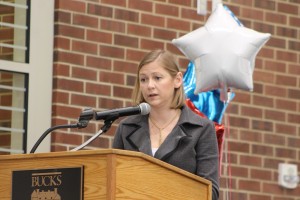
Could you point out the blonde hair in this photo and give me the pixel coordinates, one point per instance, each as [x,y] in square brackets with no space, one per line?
[168,62]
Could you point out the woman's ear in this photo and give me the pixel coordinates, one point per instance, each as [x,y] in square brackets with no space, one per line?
[178,80]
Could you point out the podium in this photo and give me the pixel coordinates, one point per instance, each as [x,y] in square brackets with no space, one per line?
[112,174]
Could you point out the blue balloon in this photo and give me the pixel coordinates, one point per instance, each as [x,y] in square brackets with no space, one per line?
[209,102]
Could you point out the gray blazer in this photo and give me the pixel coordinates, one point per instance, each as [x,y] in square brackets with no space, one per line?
[192,144]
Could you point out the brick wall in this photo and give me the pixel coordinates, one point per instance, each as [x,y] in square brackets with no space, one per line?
[98,45]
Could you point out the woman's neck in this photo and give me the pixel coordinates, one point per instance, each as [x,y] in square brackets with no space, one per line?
[162,116]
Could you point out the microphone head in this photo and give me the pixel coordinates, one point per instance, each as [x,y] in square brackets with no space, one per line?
[145,108]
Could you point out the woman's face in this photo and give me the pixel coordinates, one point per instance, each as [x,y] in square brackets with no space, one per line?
[157,85]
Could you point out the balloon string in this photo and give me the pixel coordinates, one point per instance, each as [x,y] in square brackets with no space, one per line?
[227,156]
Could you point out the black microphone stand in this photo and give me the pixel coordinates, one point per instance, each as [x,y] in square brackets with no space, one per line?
[83,121]
[107,124]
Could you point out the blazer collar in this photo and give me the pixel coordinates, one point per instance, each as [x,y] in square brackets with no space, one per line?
[140,137]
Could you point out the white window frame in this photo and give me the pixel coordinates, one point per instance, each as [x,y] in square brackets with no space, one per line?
[40,72]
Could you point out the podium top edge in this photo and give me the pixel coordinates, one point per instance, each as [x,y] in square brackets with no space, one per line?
[104,152]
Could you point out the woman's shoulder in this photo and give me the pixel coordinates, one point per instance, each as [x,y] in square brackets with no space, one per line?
[189,116]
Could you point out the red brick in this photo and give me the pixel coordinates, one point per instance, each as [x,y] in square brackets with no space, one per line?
[239,122]
[251,136]
[239,147]
[286,80]
[150,44]
[262,125]
[275,115]
[84,73]
[242,97]
[250,13]
[122,92]
[67,138]
[123,66]
[287,56]
[271,163]
[272,139]
[98,89]
[294,94]
[294,21]
[115,26]
[86,21]
[275,91]
[139,30]
[276,66]
[141,5]
[286,32]
[286,104]
[277,42]
[148,19]
[99,62]
[112,51]
[251,112]
[261,174]
[111,77]
[126,41]
[178,24]
[84,47]
[61,97]
[108,103]
[164,34]
[265,77]
[69,85]
[83,100]
[98,36]
[69,31]
[71,5]
[288,8]
[100,10]
[167,9]
[294,69]
[66,111]
[250,185]
[286,153]
[134,55]
[262,150]
[286,129]
[294,118]
[238,171]
[68,57]
[183,3]
[276,18]
[62,16]
[268,4]
[294,45]
[293,142]
[114,2]
[126,15]
[62,43]
[260,197]
[263,101]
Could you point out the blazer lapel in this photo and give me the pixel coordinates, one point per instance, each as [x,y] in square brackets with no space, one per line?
[140,137]
[170,143]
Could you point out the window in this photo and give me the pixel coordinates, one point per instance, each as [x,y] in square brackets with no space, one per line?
[25,73]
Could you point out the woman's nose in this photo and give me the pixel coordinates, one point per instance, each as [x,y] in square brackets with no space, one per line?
[150,83]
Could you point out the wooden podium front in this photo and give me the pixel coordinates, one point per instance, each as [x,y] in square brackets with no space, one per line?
[112,174]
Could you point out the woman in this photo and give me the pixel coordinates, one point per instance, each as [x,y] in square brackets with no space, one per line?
[171,132]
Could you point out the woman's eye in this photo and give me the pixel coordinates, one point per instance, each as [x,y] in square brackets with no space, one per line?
[142,80]
[157,78]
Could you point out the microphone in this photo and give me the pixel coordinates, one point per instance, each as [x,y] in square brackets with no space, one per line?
[143,109]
